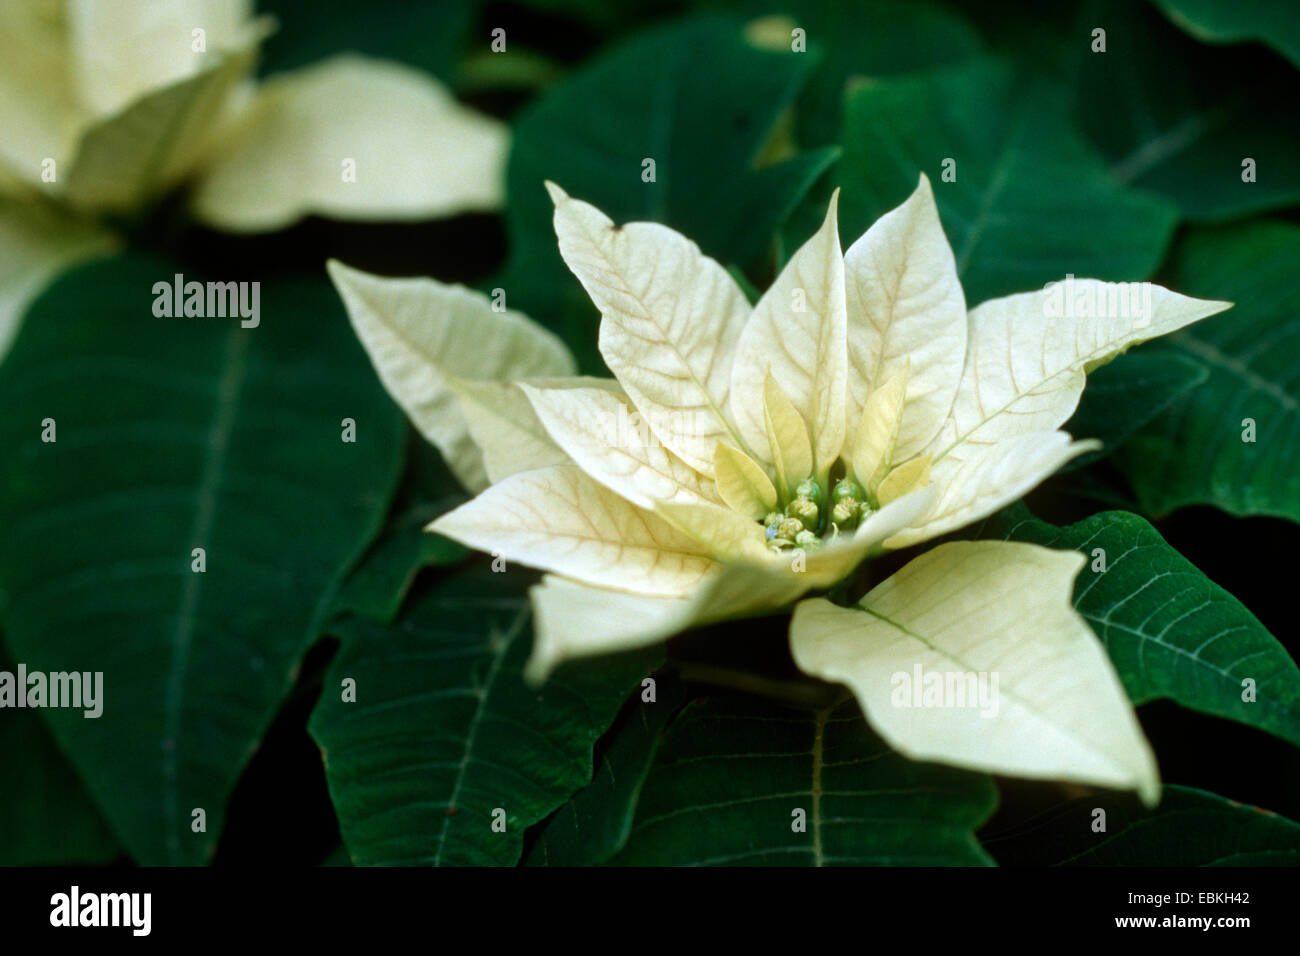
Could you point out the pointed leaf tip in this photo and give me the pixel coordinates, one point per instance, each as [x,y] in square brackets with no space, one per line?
[833,209]
[557,194]
[337,271]
[995,612]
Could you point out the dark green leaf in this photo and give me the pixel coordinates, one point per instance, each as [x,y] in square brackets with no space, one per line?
[430,36]
[175,434]
[1194,453]
[858,38]
[733,772]
[380,581]
[443,731]
[1031,202]
[377,587]
[46,816]
[1170,631]
[1126,394]
[595,824]
[1232,21]
[1047,38]
[1189,828]
[1179,118]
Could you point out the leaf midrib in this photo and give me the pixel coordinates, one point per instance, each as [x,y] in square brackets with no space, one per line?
[499,647]
[1106,757]
[1235,366]
[233,375]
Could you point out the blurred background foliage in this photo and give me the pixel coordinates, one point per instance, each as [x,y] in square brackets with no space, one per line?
[1124,165]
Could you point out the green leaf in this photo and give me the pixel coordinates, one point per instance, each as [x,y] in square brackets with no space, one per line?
[175,434]
[1124,395]
[732,773]
[443,731]
[379,583]
[595,823]
[1233,21]
[1179,119]
[699,101]
[1049,38]
[856,38]
[1170,631]
[1194,453]
[1031,202]
[46,816]
[430,36]
[1190,828]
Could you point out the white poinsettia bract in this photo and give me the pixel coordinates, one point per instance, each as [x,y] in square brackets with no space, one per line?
[743,456]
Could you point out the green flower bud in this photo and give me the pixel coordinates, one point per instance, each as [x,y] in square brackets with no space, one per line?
[845,513]
[788,528]
[809,488]
[806,539]
[847,488]
[864,511]
[805,510]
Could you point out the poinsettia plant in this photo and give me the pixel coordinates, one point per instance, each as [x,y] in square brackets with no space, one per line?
[786,433]
[855,408]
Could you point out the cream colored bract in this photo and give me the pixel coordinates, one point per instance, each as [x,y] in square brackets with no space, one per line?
[743,457]
[104,106]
